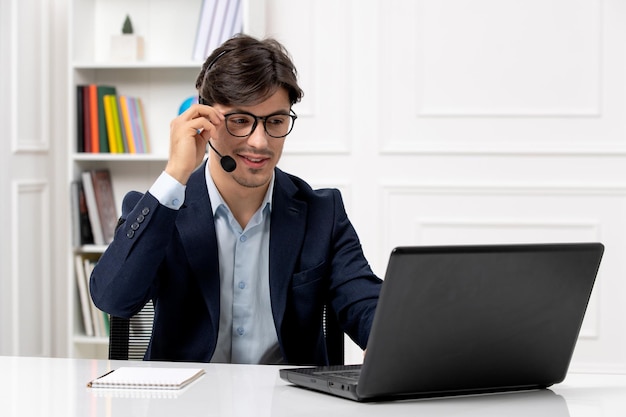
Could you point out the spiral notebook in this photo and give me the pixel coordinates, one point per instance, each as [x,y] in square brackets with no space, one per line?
[147,378]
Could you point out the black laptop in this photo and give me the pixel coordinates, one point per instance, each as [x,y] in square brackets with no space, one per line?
[460,320]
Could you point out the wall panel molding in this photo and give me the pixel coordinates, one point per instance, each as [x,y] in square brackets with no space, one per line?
[31,266]
[30,88]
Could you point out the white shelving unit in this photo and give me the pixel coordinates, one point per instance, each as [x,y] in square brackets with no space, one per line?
[163,79]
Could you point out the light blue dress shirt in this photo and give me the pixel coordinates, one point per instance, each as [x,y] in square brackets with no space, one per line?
[246,329]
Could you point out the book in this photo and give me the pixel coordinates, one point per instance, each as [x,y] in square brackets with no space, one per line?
[81,227]
[143,127]
[202,32]
[92,208]
[215,34]
[83,295]
[99,318]
[105,202]
[233,20]
[103,137]
[119,139]
[123,138]
[110,122]
[128,377]
[80,119]
[86,119]
[134,124]
[126,123]
[94,140]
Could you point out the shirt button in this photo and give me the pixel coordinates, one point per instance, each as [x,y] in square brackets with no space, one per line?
[243,238]
[175,202]
[240,331]
[242,285]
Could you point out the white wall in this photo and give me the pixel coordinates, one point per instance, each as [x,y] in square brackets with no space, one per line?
[470,122]
[444,122]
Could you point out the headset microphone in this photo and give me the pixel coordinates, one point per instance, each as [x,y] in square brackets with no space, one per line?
[227,162]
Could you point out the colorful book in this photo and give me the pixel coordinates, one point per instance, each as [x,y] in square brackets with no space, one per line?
[123,140]
[110,120]
[103,139]
[143,127]
[136,125]
[127,125]
[93,118]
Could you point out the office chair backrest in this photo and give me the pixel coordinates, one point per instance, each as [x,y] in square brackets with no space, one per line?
[129,338]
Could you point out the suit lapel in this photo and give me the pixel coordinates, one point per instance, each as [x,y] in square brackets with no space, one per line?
[286,237]
[197,229]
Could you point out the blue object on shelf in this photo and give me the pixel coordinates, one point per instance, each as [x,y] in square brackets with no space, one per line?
[187,103]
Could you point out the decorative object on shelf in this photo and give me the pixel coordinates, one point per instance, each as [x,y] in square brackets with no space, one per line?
[128,46]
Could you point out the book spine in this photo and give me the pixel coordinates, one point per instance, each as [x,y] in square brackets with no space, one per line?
[96,314]
[93,118]
[80,119]
[122,130]
[141,115]
[216,26]
[126,125]
[86,119]
[233,20]
[83,294]
[103,137]
[105,200]
[134,121]
[92,208]
[202,32]
[109,118]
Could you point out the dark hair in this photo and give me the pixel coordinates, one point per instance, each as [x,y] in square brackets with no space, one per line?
[246,71]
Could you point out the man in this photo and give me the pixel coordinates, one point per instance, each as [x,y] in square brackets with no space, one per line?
[239,257]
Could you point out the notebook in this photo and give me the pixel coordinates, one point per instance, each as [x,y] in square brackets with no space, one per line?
[147,378]
[457,320]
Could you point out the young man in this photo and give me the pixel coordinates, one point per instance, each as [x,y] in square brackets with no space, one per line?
[239,257]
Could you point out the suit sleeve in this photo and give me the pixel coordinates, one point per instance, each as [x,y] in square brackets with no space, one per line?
[354,288]
[126,276]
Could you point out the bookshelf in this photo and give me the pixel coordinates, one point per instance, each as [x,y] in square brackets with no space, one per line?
[163,79]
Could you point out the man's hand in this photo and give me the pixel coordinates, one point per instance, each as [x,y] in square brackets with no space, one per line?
[189,134]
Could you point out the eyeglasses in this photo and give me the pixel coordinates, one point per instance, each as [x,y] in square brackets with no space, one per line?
[242,124]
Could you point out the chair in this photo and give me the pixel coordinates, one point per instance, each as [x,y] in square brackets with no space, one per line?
[129,338]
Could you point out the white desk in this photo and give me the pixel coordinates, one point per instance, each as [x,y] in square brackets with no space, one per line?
[57,387]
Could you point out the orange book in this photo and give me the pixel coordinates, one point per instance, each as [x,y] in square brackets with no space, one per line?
[126,125]
[93,118]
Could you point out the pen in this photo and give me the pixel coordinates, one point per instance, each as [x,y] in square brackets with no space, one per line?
[90,383]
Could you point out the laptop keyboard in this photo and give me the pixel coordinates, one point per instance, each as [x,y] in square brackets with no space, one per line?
[349,372]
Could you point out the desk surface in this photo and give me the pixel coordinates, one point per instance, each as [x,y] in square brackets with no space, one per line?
[57,387]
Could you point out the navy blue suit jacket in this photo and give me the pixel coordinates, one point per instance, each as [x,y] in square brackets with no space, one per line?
[170,256]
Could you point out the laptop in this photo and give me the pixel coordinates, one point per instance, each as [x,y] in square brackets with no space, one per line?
[462,320]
